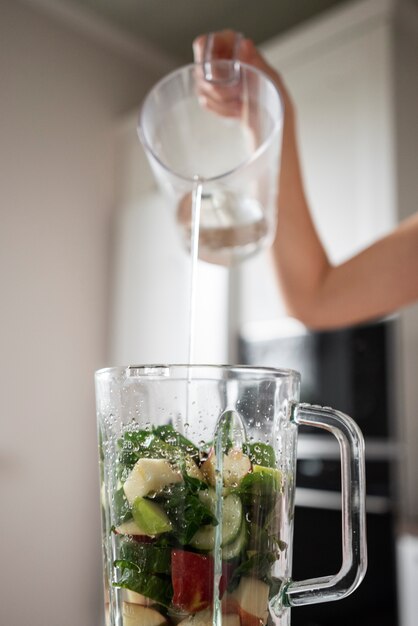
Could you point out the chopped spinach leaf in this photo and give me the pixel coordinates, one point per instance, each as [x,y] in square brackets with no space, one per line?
[257,565]
[185,510]
[260,454]
[157,588]
[146,557]
[121,507]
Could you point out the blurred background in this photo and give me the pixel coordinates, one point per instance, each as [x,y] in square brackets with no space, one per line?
[93,274]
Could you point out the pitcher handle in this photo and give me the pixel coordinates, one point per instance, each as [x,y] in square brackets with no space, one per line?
[354,563]
[231,72]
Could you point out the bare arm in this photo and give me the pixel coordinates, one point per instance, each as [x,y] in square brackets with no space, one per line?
[376,282]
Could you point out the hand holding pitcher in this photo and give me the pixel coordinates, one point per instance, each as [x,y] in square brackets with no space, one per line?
[217,123]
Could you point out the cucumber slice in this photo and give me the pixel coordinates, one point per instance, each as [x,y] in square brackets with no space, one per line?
[204,538]
[234,549]
[232,517]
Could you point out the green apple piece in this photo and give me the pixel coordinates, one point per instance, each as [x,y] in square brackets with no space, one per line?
[149,475]
[130,528]
[150,517]
[273,472]
[137,615]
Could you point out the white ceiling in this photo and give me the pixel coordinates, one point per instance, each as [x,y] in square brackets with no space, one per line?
[169,26]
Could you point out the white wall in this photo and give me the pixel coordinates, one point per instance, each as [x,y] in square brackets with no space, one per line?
[338,71]
[152,272]
[60,96]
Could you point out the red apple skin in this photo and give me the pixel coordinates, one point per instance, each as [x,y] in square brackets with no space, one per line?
[192,579]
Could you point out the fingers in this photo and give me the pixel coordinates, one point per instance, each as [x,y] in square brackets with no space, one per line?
[220,94]
[225,98]
[223,45]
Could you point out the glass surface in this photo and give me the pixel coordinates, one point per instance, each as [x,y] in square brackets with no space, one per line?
[198,479]
[233,152]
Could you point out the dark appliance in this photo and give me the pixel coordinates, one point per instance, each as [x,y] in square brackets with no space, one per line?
[350,369]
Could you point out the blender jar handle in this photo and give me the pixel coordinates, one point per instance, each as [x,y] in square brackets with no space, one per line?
[354,564]
[228,74]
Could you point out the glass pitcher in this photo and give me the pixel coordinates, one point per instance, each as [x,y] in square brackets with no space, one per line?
[198,468]
[232,151]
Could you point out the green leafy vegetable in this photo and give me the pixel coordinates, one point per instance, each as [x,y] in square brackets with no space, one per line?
[157,588]
[257,565]
[260,454]
[170,436]
[185,510]
[146,557]
[122,510]
[143,443]
[259,489]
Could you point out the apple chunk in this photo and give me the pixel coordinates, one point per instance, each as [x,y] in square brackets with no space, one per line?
[130,528]
[192,578]
[204,618]
[149,475]
[249,601]
[132,597]
[231,620]
[137,615]
[235,464]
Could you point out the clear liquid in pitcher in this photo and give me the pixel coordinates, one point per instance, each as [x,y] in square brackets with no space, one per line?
[232,225]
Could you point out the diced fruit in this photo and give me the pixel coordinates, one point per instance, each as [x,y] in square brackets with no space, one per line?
[204,538]
[208,468]
[192,469]
[249,601]
[136,598]
[231,620]
[236,465]
[130,528]
[191,575]
[149,475]
[192,579]
[150,517]
[204,618]
[136,615]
